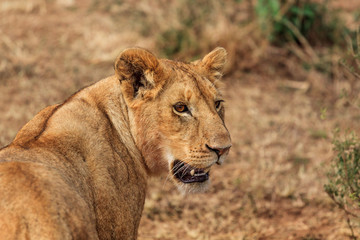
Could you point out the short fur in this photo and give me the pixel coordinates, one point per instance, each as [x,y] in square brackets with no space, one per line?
[78,170]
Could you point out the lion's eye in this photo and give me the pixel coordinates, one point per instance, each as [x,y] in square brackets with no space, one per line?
[218,104]
[181,107]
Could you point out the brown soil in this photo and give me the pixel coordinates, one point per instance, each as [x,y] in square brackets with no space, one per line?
[271,187]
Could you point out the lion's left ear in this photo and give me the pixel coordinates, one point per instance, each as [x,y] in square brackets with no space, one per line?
[214,63]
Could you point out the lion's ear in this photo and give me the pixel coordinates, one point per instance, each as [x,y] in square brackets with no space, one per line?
[214,63]
[138,71]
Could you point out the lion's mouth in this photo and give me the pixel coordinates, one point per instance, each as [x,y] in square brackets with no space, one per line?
[188,174]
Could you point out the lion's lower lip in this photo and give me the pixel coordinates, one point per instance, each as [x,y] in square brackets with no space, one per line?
[188,174]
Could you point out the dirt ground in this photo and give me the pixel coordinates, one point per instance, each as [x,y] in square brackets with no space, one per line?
[271,187]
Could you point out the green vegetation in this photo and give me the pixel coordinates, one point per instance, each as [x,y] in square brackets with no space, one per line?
[344,177]
[343,185]
[303,22]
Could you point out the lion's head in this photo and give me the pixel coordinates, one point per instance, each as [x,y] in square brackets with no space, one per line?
[176,114]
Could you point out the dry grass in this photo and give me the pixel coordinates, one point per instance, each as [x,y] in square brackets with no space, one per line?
[272,185]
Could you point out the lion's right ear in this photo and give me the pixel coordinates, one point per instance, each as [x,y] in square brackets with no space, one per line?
[140,74]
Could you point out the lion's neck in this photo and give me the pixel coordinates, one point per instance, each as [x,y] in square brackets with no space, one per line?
[117,120]
[118,112]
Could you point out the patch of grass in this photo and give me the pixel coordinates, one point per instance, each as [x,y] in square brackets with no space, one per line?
[174,41]
[237,181]
[343,185]
[188,32]
[351,60]
[318,134]
[299,161]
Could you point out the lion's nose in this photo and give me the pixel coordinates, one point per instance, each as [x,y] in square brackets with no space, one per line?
[219,150]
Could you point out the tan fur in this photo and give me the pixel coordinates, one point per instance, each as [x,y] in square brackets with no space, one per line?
[78,170]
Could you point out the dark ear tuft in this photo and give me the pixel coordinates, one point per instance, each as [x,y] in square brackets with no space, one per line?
[138,70]
[134,61]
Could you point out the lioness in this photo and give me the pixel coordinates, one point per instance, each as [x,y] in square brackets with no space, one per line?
[79,169]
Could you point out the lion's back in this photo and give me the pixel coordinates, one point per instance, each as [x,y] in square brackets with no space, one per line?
[35,126]
[36,203]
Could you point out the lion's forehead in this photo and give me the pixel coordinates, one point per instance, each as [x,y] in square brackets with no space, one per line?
[190,84]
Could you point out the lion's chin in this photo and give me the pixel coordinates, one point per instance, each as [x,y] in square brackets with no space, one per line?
[186,188]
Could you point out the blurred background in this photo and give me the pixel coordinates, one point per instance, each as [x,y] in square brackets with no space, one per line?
[292,97]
